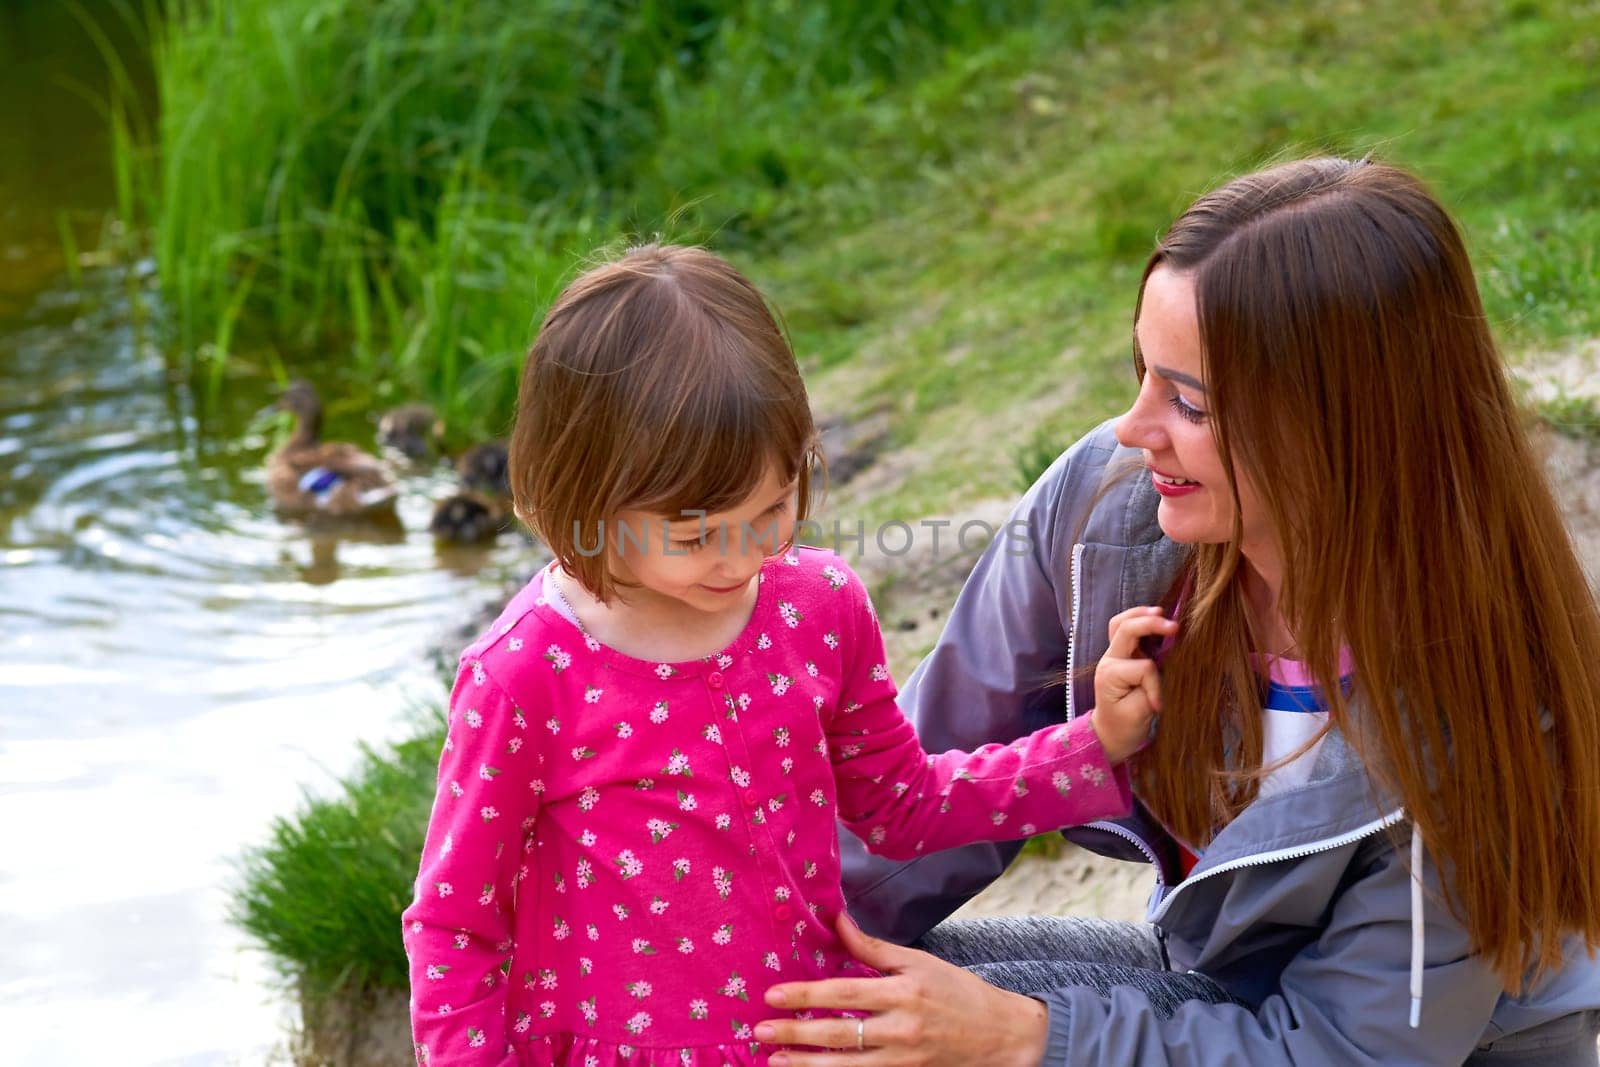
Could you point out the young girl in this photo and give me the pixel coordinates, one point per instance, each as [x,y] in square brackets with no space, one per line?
[634,830]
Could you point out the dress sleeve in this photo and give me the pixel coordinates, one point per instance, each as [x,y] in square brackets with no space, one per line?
[987,679]
[458,929]
[902,801]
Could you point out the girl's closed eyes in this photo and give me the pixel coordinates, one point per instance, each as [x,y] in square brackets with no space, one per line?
[694,544]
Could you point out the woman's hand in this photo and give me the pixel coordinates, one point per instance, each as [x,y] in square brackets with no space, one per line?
[923,1011]
[1127,686]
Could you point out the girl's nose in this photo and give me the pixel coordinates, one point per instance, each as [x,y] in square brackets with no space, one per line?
[741,558]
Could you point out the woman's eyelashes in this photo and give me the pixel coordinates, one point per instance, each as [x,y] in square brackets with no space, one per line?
[1186,410]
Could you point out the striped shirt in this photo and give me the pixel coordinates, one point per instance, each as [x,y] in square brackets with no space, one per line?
[1293,712]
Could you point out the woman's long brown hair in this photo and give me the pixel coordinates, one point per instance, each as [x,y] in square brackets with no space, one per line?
[1351,372]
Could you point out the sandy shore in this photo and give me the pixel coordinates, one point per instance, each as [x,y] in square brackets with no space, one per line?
[1073,882]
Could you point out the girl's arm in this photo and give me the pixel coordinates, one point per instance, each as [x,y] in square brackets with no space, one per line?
[903,802]
[988,679]
[458,929]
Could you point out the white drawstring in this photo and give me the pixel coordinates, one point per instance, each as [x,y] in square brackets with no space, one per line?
[1416,926]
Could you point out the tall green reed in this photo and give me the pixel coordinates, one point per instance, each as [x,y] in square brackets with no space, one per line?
[398,182]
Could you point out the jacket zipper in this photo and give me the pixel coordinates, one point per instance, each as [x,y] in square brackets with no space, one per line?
[1072,711]
[1297,852]
[1072,630]
[1134,839]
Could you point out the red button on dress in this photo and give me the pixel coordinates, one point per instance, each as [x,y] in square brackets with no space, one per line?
[750,797]
[714,679]
[782,912]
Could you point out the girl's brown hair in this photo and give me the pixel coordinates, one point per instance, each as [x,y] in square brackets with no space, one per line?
[659,382]
[1351,372]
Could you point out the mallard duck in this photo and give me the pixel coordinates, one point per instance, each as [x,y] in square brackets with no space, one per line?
[486,468]
[310,476]
[414,431]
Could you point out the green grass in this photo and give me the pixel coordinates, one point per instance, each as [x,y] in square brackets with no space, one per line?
[949,201]
[324,894]
[991,300]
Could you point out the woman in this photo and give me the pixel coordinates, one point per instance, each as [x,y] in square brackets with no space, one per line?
[1387,663]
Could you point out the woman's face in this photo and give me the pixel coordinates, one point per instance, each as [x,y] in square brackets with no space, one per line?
[1170,421]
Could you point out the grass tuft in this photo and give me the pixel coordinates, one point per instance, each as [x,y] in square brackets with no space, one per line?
[325,893]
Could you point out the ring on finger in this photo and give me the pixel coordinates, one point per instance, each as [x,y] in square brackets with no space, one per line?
[861,1034]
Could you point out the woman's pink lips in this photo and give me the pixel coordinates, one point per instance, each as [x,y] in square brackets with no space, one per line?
[1171,490]
[727,589]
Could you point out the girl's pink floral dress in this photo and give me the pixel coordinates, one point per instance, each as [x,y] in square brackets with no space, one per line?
[624,855]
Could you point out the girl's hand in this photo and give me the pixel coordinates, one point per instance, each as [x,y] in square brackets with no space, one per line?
[922,1012]
[1127,686]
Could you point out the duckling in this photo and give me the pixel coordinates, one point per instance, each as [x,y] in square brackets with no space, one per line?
[413,431]
[478,511]
[486,468]
[310,476]
[468,517]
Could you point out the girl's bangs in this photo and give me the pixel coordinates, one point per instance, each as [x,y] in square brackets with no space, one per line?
[713,453]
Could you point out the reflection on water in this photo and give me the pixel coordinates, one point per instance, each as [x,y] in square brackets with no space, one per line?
[176,665]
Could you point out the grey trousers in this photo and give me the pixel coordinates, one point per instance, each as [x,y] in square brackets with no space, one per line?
[1032,954]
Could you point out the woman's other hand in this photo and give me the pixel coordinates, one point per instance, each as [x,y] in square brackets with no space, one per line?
[1127,685]
[922,1012]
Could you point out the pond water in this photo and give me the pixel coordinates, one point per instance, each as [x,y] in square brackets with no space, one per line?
[177,665]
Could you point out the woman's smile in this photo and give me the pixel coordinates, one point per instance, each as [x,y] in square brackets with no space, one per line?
[1171,486]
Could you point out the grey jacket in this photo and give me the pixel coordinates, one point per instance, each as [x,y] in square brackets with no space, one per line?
[1302,908]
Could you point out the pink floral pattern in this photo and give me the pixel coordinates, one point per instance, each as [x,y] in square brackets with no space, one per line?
[591,894]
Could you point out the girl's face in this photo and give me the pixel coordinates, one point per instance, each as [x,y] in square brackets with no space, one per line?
[703,562]
[1170,422]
